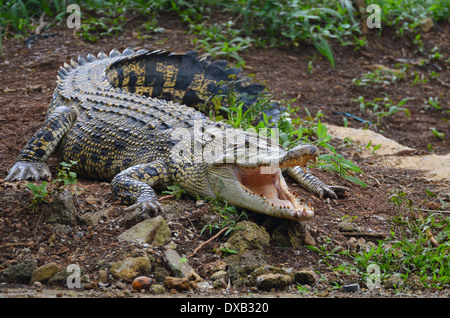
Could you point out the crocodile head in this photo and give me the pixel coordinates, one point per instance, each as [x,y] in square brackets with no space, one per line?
[253,179]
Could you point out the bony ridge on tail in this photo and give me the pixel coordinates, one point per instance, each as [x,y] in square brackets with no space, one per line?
[129,118]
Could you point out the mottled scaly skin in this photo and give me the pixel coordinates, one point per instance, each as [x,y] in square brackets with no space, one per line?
[120,117]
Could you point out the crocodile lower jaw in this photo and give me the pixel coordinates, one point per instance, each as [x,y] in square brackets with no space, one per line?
[268,183]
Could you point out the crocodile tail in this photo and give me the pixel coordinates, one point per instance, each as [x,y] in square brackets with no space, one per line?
[183,78]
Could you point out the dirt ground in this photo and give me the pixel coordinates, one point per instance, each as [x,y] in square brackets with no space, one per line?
[27,81]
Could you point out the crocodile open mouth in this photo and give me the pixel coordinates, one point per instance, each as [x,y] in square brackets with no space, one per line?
[266,182]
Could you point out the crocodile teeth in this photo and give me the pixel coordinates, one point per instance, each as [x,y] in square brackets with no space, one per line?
[128,51]
[62,73]
[91,58]
[67,67]
[101,55]
[114,53]
[81,60]
[73,63]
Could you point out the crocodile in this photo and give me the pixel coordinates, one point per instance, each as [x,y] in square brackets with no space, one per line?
[129,118]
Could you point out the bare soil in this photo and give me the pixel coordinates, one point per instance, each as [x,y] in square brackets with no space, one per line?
[27,81]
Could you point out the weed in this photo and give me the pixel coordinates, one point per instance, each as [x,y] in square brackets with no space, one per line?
[64,175]
[230,217]
[385,109]
[175,190]
[434,103]
[437,134]
[40,194]
[380,77]
[322,45]
[408,255]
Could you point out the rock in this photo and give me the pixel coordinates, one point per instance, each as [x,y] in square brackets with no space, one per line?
[218,265]
[160,273]
[270,281]
[93,218]
[249,236]
[64,211]
[204,286]
[90,285]
[351,288]
[151,231]
[43,273]
[393,282]
[157,289]
[240,266]
[62,277]
[130,268]
[142,282]
[308,239]
[177,264]
[431,205]
[352,243]
[19,273]
[172,209]
[346,226]
[445,196]
[306,277]
[177,283]
[288,233]
[103,276]
[220,279]
[426,24]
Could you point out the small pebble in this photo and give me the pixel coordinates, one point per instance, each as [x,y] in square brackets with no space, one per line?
[142,282]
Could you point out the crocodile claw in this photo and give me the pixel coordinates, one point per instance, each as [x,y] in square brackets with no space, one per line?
[26,170]
[333,192]
[146,206]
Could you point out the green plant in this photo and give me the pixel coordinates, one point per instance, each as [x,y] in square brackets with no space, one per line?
[328,254]
[221,40]
[229,214]
[227,251]
[408,253]
[336,163]
[438,134]
[374,148]
[433,102]
[40,194]
[175,190]
[322,45]
[64,175]
[380,76]
[384,109]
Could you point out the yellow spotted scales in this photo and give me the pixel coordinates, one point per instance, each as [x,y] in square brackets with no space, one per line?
[130,118]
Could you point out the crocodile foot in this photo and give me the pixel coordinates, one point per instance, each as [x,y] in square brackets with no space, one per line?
[26,170]
[145,206]
[333,192]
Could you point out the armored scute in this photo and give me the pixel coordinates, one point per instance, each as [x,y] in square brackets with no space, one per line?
[129,118]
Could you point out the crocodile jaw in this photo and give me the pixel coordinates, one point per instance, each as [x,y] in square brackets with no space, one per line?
[260,189]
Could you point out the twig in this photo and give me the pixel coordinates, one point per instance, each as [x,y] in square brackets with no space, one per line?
[209,240]
[428,232]
[361,234]
[166,197]
[435,211]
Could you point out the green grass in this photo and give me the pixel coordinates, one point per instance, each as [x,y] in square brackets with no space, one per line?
[407,254]
[228,28]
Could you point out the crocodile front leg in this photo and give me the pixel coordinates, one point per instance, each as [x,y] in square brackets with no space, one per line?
[311,183]
[30,163]
[134,186]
